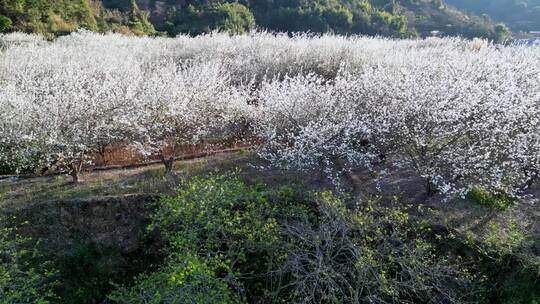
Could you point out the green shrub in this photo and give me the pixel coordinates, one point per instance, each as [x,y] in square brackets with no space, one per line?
[513,272]
[187,279]
[139,21]
[499,201]
[22,278]
[66,266]
[5,23]
[506,263]
[61,17]
[216,230]
[516,283]
[228,242]
[219,213]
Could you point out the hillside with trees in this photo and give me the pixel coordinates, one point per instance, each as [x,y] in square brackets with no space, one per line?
[61,17]
[404,18]
[520,15]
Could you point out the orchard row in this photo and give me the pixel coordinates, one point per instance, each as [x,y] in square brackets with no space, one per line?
[459,113]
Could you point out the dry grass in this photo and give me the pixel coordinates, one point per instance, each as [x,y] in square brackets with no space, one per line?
[149,179]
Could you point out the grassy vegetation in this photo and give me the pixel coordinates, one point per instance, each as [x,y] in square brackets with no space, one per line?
[252,236]
[23,279]
[498,201]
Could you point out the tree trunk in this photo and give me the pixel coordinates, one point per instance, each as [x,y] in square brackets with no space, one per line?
[75,176]
[169,163]
[75,170]
[431,189]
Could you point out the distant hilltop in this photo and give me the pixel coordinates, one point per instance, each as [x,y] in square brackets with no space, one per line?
[519,15]
[391,18]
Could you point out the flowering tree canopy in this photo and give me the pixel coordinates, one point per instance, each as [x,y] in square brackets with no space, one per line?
[458,113]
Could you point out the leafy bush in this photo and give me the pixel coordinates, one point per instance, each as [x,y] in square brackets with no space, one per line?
[228,242]
[22,279]
[499,201]
[139,22]
[235,18]
[5,23]
[217,230]
[50,17]
[187,279]
[510,270]
[61,17]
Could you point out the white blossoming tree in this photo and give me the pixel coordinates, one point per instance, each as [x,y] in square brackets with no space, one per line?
[458,113]
[307,123]
[70,107]
[181,105]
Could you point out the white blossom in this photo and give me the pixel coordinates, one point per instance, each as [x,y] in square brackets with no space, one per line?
[458,113]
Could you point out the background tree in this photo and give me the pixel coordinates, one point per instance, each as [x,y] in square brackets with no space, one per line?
[502,33]
[234,18]
[5,23]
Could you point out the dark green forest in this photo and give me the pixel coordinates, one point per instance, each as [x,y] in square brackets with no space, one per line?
[403,18]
